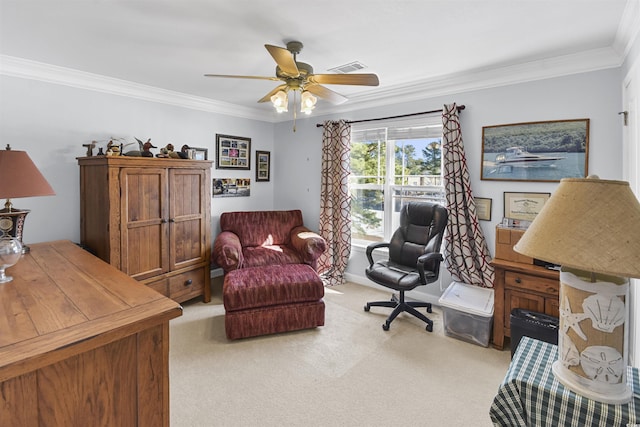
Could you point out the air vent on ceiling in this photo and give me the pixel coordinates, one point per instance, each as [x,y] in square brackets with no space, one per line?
[348,68]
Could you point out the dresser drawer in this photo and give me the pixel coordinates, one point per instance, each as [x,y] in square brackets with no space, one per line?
[531,283]
[187,285]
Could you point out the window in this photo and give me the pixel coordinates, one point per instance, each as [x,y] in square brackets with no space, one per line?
[392,163]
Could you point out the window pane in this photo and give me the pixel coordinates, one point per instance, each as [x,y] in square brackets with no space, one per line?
[367,214]
[366,183]
[368,162]
[418,161]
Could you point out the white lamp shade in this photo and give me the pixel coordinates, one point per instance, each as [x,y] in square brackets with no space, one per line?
[307,102]
[280,101]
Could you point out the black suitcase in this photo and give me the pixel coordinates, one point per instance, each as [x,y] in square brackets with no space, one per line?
[526,323]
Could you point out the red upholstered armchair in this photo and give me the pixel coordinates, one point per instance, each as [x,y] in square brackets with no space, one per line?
[254,239]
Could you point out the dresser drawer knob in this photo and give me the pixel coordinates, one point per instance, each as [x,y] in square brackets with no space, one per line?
[518,280]
[188,282]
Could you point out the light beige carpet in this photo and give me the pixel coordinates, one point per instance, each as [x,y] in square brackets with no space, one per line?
[347,373]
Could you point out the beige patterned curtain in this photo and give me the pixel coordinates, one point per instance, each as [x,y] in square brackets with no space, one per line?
[466,253]
[335,202]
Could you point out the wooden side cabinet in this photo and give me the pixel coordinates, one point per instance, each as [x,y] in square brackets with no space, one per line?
[526,286]
[81,343]
[150,218]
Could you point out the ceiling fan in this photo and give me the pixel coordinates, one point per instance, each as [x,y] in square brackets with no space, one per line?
[299,76]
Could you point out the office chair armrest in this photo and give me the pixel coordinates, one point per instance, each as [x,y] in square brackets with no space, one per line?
[433,258]
[373,247]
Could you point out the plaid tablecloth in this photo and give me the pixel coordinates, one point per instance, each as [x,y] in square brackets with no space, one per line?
[531,396]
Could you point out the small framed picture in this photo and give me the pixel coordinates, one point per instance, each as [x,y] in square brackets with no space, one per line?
[233,152]
[524,206]
[483,208]
[263,165]
[196,153]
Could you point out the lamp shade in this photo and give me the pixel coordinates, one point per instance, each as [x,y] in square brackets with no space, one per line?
[589,224]
[307,102]
[280,101]
[19,177]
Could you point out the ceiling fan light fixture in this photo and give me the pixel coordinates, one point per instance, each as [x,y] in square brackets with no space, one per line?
[307,102]
[280,101]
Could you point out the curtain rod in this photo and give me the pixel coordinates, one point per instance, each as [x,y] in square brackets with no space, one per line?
[459,107]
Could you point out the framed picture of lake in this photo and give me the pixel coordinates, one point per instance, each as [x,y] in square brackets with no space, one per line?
[535,151]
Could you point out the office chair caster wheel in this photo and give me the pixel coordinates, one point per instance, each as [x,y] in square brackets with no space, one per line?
[367,308]
[429,328]
[385,326]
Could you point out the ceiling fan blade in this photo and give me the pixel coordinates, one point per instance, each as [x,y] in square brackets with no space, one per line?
[345,79]
[284,59]
[324,93]
[268,96]
[242,77]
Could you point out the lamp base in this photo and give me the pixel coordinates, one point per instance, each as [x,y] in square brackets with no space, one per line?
[593,335]
[572,382]
[12,224]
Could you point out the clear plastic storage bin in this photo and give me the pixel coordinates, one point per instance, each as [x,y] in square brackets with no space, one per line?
[468,313]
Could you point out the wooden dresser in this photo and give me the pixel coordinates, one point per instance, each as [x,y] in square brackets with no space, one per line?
[151,218]
[81,343]
[519,283]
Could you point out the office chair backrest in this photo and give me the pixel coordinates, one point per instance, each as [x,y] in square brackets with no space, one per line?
[421,228]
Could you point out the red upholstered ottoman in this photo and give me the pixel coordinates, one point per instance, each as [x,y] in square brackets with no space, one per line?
[271,299]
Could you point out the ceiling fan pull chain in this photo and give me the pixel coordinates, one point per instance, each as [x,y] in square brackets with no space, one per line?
[295,111]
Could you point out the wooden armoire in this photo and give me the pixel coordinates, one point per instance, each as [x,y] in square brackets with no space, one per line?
[150,218]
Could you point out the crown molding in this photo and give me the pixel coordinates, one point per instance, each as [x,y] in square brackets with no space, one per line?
[593,60]
[479,79]
[628,28]
[33,70]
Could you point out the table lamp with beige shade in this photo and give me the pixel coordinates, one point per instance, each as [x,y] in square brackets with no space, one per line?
[591,228]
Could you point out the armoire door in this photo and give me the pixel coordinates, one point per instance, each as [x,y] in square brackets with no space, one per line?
[187,217]
[144,227]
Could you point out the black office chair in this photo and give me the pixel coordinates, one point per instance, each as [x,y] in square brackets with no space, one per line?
[414,258]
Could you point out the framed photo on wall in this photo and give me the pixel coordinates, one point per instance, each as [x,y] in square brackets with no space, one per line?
[231,187]
[233,152]
[263,165]
[536,151]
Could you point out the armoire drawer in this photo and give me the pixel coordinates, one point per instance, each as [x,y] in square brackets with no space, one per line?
[186,285]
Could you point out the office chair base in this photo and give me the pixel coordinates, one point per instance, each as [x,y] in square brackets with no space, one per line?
[399,306]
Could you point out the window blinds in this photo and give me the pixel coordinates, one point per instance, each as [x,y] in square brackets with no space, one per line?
[413,128]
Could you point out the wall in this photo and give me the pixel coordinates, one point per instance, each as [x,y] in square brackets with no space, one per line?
[51,122]
[593,95]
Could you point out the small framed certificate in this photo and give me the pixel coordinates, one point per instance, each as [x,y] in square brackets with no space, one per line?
[524,206]
[483,208]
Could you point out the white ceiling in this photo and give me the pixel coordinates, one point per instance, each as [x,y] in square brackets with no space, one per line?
[410,44]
